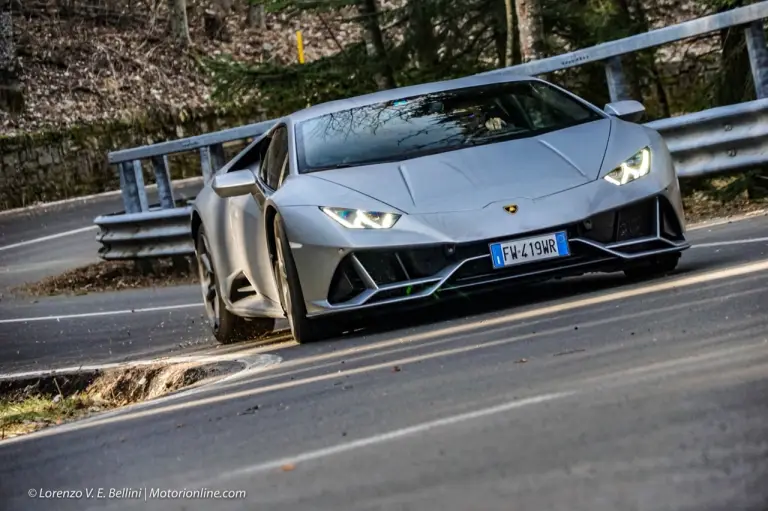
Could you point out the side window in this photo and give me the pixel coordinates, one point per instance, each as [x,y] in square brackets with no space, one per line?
[275,158]
[264,163]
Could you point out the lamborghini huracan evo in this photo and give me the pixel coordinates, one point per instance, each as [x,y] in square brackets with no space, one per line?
[388,199]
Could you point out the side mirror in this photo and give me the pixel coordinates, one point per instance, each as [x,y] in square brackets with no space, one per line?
[629,110]
[234,184]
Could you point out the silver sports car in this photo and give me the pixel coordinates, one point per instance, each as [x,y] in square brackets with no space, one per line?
[400,196]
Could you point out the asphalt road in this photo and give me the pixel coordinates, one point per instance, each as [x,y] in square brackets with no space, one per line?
[585,394]
[47,240]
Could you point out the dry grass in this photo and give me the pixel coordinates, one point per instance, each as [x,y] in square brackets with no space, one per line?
[31,405]
[31,414]
[699,207]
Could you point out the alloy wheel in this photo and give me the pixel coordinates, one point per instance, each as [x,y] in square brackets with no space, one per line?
[282,275]
[208,284]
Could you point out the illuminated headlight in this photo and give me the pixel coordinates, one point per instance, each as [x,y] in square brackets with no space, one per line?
[636,167]
[358,219]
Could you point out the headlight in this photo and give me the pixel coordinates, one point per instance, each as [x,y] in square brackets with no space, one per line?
[358,219]
[634,168]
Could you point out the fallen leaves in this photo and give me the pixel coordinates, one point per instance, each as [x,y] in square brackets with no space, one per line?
[111,276]
[79,70]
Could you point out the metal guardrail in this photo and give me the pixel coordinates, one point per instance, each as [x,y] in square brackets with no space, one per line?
[151,234]
[718,140]
[209,145]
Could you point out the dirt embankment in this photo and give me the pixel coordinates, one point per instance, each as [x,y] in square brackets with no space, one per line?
[31,404]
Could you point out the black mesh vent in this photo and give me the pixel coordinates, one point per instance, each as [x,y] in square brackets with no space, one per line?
[346,283]
[636,221]
[241,282]
[382,266]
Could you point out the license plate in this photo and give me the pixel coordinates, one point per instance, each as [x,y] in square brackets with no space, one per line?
[529,250]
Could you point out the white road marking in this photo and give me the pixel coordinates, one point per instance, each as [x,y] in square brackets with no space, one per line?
[101,313]
[395,434]
[49,237]
[730,242]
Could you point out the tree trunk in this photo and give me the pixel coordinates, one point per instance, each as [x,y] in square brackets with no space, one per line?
[215,19]
[256,17]
[735,73]
[11,96]
[530,24]
[420,25]
[374,44]
[510,47]
[179,25]
[633,14]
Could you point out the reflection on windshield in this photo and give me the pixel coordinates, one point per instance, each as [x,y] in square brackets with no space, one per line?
[427,124]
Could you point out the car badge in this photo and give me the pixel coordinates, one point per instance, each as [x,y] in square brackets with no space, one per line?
[511,208]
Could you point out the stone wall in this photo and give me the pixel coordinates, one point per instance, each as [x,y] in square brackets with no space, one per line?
[45,167]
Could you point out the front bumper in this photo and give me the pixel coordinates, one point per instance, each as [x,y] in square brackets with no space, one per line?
[607,241]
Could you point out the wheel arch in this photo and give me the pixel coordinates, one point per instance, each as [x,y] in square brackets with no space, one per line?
[196,222]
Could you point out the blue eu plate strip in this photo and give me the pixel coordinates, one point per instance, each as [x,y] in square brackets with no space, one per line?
[497,255]
[562,244]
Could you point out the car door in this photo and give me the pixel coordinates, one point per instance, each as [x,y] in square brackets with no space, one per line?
[247,215]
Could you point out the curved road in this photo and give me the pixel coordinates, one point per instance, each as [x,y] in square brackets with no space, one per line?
[584,394]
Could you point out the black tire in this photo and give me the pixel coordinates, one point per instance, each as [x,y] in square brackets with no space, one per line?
[655,267]
[227,328]
[304,329]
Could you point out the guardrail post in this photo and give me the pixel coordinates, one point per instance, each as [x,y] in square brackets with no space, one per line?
[205,163]
[163,180]
[217,157]
[758,57]
[211,160]
[617,82]
[132,187]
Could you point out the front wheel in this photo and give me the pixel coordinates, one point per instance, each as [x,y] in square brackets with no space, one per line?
[304,329]
[655,267]
[227,328]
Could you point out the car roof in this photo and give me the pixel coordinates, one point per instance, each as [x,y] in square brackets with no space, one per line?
[403,92]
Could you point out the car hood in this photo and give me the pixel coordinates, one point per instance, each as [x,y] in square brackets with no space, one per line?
[472,178]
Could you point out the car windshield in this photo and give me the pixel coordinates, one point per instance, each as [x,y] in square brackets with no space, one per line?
[431,123]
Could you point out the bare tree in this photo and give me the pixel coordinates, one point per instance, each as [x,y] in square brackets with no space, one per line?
[256,16]
[531,27]
[510,46]
[11,97]
[374,43]
[215,18]
[179,24]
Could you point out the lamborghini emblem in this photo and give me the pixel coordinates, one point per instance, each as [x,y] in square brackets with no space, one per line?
[511,209]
